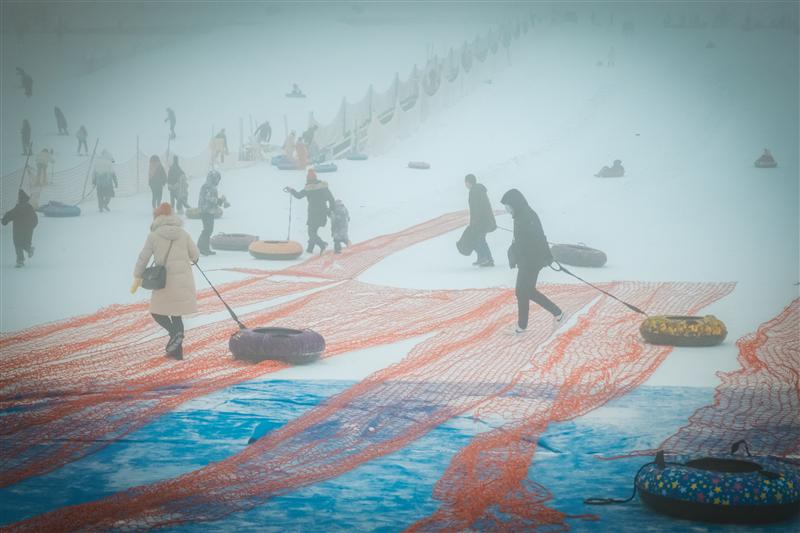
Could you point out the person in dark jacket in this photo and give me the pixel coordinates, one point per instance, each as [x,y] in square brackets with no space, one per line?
[61,122]
[157,178]
[264,132]
[171,119]
[26,82]
[481,219]
[174,181]
[105,180]
[530,253]
[27,145]
[320,204]
[82,135]
[208,203]
[23,219]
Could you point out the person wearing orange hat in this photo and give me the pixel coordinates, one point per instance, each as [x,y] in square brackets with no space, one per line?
[169,245]
[320,204]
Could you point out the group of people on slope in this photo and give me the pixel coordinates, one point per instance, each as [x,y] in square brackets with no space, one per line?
[27,140]
[302,150]
[175,180]
[321,205]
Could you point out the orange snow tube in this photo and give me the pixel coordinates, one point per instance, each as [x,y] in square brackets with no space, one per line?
[276,250]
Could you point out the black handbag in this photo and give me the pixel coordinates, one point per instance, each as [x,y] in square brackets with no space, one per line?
[154,277]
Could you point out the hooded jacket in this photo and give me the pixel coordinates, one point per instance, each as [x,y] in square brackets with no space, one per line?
[529,248]
[320,201]
[23,219]
[208,200]
[481,216]
[179,296]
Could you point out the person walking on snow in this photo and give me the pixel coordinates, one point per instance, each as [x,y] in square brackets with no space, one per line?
[208,203]
[169,245]
[105,180]
[27,145]
[340,224]
[157,178]
[171,119]
[183,193]
[43,160]
[320,203]
[23,220]
[481,219]
[220,145]
[174,181]
[264,132]
[530,253]
[61,122]
[82,135]
[26,82]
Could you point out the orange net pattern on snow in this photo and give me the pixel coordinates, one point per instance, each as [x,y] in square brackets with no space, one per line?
[469,364]
[760,402]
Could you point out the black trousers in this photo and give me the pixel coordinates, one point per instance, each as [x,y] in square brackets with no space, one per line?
[526,291]
[314,239]
[173,324]
[21,249]
[158,192]
[85,146]
[204,241]
[173,198]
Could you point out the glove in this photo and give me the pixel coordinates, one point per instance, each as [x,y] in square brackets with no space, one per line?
[137,282]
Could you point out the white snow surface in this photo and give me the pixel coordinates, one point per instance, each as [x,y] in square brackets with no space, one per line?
[686,121]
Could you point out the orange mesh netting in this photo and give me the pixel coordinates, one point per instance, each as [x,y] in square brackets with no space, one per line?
[760,402]
[470,364]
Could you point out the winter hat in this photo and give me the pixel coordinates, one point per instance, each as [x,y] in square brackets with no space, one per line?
[22,197]
[311,176]
[163,209]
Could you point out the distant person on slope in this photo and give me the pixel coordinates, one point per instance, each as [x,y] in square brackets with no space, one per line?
[208,203]
[616,170]
[157,178]
[481,219]
[25,132]
[105,180]
[529,252]
[766,158]
[340,224]
[289,144]
[220,146]
[302,153]
[264,132]
[171,119]
[82,135]
[26,82]
[24,220]
[183,193]
[320,203]
[169,245]
[61,122]
[174,181]
[43,160]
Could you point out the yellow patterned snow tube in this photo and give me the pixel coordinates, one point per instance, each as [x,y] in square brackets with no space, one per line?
[683,330]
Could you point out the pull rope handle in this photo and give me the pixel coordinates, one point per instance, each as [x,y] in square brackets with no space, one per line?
[562,268]
[233,315]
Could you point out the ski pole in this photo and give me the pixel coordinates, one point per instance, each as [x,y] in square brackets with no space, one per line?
[233,315]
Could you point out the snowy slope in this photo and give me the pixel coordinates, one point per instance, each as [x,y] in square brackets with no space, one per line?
[692,207]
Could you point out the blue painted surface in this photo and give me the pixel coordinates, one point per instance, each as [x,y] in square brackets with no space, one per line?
[386,494]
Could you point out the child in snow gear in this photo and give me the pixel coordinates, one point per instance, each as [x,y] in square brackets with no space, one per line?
[169,245]
[340,223]
[43,159]
[157,178]
[208,203]
[529,252]
[320,203]
[481,219]
[264,132]
[82,135]
[171,119]
[104,179]
[23,219]
[174,181]
[614,171]
[27,145]
[61,122]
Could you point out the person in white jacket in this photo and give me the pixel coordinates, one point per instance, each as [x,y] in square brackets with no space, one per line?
[170,245]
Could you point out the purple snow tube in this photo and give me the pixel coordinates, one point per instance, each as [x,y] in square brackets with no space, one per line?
[293,346]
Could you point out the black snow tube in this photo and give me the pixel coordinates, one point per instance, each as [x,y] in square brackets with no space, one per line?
[325,167]
[466,244]
[293,346]
[760,163]
[578,255]
[59,210]
[724,489]
[194,213]
[419,165]
[356,156]
[238,242]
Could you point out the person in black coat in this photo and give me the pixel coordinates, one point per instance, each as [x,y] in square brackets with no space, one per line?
[23,219]
[171,119]
[61,122]
[264,132]
[27,145]
[530,253]
[481,219]
[320,204]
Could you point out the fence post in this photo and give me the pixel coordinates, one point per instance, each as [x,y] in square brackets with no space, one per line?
[137,164]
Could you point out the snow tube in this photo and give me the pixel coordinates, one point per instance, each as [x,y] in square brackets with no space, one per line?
[606,172]
[466,244]
[356,156]
[578,255]
[727,489]
[765,163]
[421,165]
[59,210]
[325,167]
[295,95]
[683,330]
[289,165]
[279,159]
[293,346]
[194,213]
[238,242]
[275,250]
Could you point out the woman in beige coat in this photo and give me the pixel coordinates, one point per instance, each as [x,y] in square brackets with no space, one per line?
[179,296]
